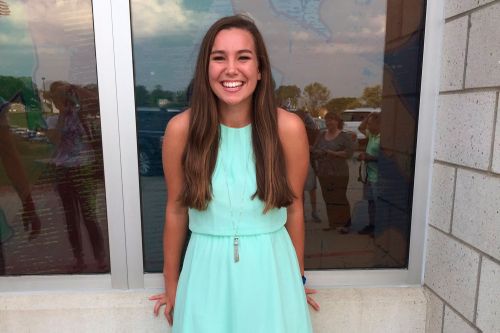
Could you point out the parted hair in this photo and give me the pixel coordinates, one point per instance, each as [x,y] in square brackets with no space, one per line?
[202,145]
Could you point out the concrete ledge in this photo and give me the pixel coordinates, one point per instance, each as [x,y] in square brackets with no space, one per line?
[370,310]
[342,310]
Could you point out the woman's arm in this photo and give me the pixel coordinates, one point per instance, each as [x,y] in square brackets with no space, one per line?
[293,138]
[364,124]
[176,221]
[294,141]
[338,154]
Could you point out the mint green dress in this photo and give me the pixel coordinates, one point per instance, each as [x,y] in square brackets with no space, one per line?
[263,291]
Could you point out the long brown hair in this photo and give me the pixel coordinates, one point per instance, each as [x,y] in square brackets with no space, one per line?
[202,146]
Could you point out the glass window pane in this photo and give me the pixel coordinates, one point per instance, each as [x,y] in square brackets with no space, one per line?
[52,200]
[336,64]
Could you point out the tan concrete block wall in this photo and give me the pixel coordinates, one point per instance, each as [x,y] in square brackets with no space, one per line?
[462,274]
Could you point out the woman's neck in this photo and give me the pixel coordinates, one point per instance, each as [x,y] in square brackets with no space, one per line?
[235,116]
[333,132]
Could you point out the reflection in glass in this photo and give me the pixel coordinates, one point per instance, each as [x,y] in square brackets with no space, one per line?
[349,69]
[330,153]
[52,204]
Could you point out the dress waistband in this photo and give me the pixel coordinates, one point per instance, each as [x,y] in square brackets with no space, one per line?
[239,235]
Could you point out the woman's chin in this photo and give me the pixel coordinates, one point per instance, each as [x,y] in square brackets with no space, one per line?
[235,102]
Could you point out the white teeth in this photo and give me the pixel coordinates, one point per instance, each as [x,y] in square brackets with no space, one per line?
[232,84]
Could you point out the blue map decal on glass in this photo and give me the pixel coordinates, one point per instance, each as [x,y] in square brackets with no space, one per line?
[303,12]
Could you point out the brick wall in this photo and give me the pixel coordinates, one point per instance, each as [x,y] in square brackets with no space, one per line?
[462,275]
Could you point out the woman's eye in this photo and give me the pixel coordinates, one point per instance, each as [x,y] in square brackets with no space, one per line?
[218,58]
[244,58]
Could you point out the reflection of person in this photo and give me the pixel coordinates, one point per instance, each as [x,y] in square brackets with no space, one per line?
[310,186]
[233,162]
[331,151]
[16,173]
[72,133]
[370,127]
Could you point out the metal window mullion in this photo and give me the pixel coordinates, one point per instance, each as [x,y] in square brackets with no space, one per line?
[429,91]
[106,74]
[122,41]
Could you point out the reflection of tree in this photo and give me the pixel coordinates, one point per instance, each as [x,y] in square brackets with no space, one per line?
[372,96]
[287,93]
[342,103]
[315,95]
[27,92]
[9,86]
[143,97]
[158,93]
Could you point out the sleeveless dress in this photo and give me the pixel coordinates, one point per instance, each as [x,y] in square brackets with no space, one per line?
[263,291]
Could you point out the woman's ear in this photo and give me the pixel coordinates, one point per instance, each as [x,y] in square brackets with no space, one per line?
[258,75]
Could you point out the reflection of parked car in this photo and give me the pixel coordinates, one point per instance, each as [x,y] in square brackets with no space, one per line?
[353,117]
[39,137]
[151,123]
[18,130]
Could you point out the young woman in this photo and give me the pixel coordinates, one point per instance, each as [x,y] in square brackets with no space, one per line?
[235,164]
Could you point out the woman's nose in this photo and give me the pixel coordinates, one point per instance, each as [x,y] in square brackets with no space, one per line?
[231,67]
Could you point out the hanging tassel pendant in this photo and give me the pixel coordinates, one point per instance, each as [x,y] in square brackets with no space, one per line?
[236,250]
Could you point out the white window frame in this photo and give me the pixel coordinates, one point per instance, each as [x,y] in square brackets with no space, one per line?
[116,94]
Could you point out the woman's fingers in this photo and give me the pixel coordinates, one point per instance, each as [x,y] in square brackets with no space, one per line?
[157,307]
[310,300]
[168,314]
[162,299]
[155,297]
[311,291]
[312,303]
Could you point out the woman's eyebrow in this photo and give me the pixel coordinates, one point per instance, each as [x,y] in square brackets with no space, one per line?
[223,52]
[217,52]
[245,51]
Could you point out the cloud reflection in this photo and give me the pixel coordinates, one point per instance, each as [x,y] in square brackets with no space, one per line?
[153,18]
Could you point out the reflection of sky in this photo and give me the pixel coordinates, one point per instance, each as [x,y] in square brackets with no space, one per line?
[16,49]
[48,38]
[337,43]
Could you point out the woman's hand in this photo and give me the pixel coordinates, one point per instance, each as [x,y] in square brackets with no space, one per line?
[319,153]
[311,300]
[332,153]
[366,157]
[163,299]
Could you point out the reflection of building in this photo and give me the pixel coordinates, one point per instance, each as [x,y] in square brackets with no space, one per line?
[17,108]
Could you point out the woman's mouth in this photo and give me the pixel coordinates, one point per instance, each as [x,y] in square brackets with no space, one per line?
[232,85]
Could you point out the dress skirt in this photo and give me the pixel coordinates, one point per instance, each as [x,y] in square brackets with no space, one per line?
[261,293]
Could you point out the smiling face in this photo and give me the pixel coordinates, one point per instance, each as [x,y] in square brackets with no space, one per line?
[233,69]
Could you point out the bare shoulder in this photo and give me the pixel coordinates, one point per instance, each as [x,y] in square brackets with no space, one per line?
[176,134]
[178,126]
[289,124]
